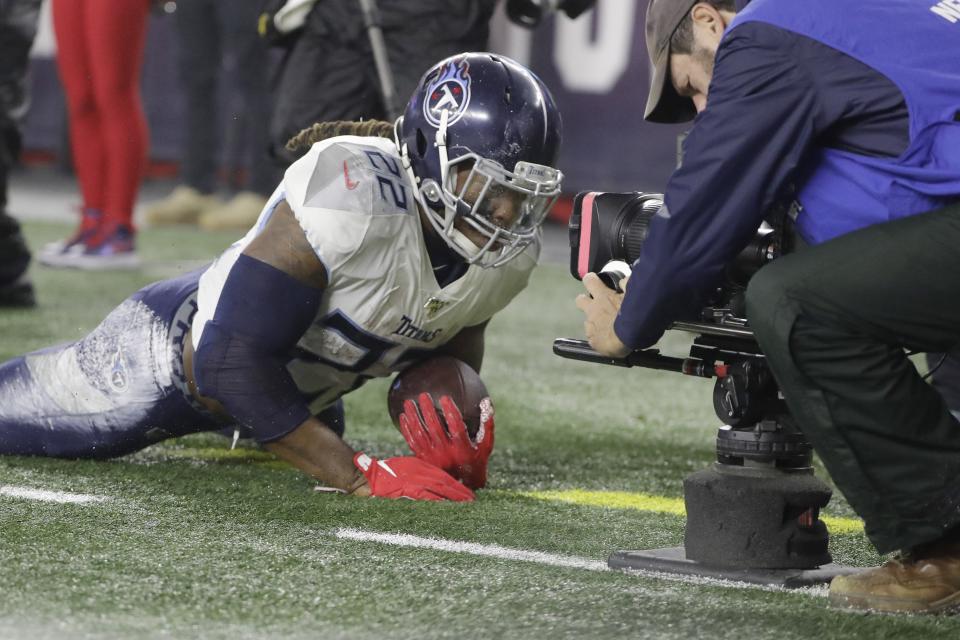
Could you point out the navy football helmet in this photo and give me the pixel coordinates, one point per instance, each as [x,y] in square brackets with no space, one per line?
[479,139]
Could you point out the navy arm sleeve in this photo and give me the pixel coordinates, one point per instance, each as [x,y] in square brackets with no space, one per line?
[763,114]
[241,359]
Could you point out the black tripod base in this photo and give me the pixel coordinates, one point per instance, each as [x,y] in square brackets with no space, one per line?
[756,517]
[673,560]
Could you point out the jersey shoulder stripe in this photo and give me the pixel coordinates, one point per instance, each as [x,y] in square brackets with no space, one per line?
[352,199]
[351,174]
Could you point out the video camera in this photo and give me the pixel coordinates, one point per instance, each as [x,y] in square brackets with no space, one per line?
[607,233]
[758,507]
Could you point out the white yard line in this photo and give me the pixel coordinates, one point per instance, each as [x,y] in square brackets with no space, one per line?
[539,557]
[472,548]
[42,495]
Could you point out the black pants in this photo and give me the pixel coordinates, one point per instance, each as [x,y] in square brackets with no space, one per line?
[833,321]
[330,74]
[946,377]
[218,42]
[18,25]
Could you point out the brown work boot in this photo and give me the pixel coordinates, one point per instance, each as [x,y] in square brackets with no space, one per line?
[924,581]
[183,206]
[239,213]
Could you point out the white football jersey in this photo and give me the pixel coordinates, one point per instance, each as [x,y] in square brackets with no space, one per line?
[382,309]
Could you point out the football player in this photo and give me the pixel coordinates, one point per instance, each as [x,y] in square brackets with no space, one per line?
[372,254]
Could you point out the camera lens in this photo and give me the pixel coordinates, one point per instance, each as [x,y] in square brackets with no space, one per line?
[633,225]
[609,226]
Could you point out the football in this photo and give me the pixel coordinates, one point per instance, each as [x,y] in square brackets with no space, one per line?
[440,376]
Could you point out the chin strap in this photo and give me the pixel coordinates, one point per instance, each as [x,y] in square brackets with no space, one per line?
[466,245]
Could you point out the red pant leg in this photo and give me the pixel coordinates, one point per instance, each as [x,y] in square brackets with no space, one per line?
[73,61]
[116,31]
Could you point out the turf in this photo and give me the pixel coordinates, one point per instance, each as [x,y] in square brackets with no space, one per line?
[200,541]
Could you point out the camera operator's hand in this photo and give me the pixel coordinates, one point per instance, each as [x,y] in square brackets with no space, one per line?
[601,304]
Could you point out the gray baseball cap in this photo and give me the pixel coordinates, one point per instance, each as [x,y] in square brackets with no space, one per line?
[664,104]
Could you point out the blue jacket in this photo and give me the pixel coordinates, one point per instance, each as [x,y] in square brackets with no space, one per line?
[919,51]
[847,107]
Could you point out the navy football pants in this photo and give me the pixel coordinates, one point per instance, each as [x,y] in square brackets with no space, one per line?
[115,391]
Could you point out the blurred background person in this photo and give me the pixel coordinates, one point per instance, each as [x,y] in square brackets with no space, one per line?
[99,54]
[18,26]
[218,41]
[330,74]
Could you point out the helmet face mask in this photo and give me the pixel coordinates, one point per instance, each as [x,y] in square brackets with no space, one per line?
[501,210]
[478,139]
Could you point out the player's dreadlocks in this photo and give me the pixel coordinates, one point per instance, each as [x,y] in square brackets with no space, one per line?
[323,130]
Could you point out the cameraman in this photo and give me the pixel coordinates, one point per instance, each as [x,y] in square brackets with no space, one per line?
[851,110]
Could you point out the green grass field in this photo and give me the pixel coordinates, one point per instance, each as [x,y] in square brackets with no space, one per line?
[197,541]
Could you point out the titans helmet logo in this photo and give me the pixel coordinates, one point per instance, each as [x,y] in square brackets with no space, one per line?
[450,92]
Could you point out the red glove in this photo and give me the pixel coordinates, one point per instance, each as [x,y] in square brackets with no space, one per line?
[449,448]
[408,477]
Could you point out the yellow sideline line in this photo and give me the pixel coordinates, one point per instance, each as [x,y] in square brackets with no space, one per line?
[656,504]
[609,499]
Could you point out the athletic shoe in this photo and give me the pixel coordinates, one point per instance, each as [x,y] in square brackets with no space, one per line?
[183,206]
[111,248]
[17,294]
[925,581]
[241,212]
[52,253]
